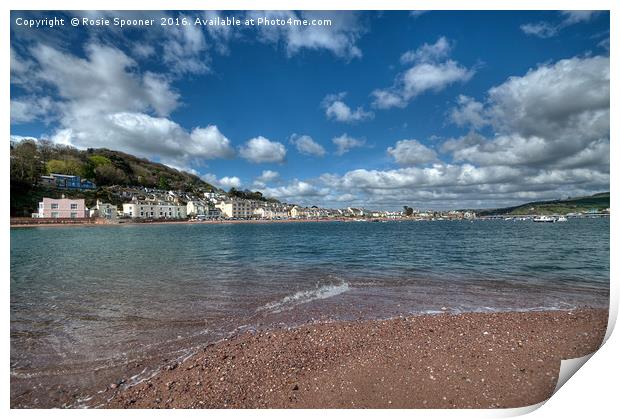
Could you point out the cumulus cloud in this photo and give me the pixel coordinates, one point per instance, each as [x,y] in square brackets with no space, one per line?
[550,138]
[469,112]
[268,176]
[337,110]
[225,182]
[103,100]
[306,145]
[411,153]
[296,189]
[544,118]
[339,38]
[345,143]
[32,108]
[210,143]
[263,150]
[431,71]
[544,29]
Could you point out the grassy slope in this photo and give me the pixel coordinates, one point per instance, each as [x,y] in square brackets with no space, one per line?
[598,201]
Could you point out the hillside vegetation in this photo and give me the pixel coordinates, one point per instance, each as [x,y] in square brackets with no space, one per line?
[599,201]
[30,160]
[107,168]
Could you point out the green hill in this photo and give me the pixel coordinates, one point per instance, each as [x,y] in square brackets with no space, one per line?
[599,201]
[30,160]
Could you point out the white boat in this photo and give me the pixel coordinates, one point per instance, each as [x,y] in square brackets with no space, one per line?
[562,219]
[544,219]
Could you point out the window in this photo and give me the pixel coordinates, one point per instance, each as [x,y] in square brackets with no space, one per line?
[73,206]
[74,215]
[54,214]
[54,206]
[141,213]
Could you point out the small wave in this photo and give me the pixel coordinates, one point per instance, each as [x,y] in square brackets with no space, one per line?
[303,297]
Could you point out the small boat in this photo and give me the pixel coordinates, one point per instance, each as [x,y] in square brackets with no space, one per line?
[544,219]
[562,219]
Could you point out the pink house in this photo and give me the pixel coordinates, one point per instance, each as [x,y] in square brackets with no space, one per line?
[62,208]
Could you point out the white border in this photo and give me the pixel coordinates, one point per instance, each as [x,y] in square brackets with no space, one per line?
[590,393]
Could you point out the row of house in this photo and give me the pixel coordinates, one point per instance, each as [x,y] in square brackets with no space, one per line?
[70,182]
[156,205]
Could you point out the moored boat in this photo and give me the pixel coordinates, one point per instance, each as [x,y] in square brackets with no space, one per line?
[544,219]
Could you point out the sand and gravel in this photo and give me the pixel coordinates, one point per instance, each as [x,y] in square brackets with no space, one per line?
[474,360]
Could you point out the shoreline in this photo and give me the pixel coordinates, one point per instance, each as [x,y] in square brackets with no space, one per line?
[184,222]
[467,360]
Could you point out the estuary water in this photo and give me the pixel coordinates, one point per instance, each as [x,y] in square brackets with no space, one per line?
[95,305]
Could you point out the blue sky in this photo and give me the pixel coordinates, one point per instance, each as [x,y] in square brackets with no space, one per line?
[379,109]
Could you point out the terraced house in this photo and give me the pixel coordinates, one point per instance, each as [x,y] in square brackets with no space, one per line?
[154,210]
[61,208]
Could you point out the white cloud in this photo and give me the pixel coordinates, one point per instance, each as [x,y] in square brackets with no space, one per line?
[210,143]
[429,73]
[268,176]
[540,29]
[263,150]
[428,53]
[306,145]
[336,109]
[28,109]
[339,38]
[543,119]
[550,139]
[411,153]
[230,182]
[225,182]
[184,49]
[545,29]
[103,100]
[105,81]
[296,189]
[572,17]
[468,113]
[345,143]
[220,34]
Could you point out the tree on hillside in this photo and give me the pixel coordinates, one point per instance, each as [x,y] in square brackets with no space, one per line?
[107,174]
[26,165]
[408,211]
[68,166]
[92,163]
[164,183]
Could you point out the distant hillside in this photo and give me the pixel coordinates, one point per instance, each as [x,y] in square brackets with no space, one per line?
[598,201]
[30,160]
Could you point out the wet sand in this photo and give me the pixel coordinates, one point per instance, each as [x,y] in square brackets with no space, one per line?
[474,360]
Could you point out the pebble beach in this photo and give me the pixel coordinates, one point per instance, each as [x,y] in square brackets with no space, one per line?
[472,360]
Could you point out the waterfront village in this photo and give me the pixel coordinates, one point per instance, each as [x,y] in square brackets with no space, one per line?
[142,204]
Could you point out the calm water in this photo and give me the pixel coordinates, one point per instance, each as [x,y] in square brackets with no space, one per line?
[90,305]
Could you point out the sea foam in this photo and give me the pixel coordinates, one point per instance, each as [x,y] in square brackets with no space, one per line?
[306,296]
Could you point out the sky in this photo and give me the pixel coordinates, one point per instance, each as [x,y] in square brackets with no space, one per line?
[438,109]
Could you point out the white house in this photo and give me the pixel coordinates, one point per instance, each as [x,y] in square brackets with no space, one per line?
[195,208]
[154,210]
[104,210]
[237,208]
